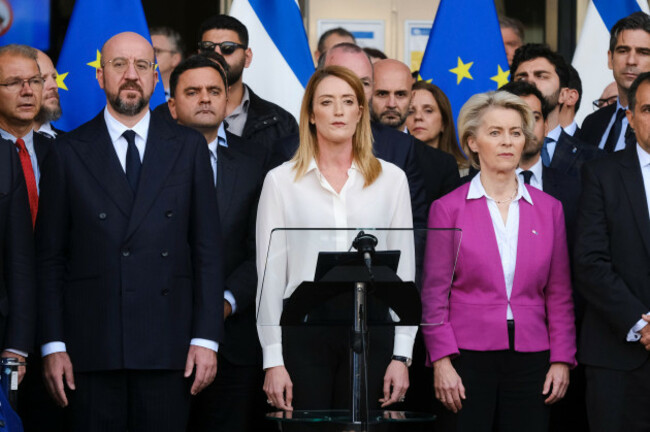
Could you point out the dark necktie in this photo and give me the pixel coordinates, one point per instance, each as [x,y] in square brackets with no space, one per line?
[30,178]
[133,162]
[615,131]
[527,176]
[546,158]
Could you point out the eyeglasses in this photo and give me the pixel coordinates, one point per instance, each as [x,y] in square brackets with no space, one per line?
[226,48]
[15,85]
[158,51]
[599,103]
[121,64]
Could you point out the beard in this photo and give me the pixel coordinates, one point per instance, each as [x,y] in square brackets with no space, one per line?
[234,72]
[129,107]
[395,120]
[552,100]
[531,149]
[49,114]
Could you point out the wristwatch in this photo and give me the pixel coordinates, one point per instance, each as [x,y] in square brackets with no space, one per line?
[406,360]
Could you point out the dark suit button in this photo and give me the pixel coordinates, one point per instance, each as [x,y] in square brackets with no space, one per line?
[165,291]
[169,213]
[102,216]
[164,254]
[126,252]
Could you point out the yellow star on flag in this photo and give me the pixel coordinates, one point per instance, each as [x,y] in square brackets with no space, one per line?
[59,80]
[430,80]
[501,78]
[98,61]
[462,70]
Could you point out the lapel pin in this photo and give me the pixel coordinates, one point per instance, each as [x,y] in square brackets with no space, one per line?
[535,232]
[575,149]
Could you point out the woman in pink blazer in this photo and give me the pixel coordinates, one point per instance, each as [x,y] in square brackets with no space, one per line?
[502,341]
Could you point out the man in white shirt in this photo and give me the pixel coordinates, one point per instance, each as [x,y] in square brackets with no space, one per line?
[612,253]
[129,259]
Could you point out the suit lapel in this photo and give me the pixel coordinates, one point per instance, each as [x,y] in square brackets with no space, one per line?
[97,152]
[633,181]
[159,156]
[41,147]
[226,180]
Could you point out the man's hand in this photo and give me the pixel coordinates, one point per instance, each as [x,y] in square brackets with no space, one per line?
[645,333]
[397,378]
[227,309]
[21,359]
[205,361]
[557,378]
[448,385]
[56,367]
[279,388]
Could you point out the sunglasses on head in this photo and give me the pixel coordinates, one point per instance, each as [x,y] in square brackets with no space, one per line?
[226,48]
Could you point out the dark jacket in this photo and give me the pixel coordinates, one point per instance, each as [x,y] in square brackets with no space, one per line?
[267,122]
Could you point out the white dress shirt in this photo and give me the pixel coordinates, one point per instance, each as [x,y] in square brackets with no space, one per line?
[644,160]
[506,234]
[536,179]
[289,257]
[115,131]
[46,129]
[571,129]
[620,143]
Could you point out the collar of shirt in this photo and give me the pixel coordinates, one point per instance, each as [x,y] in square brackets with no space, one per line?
[571,129]
[644,157]
[237,119]
[29,140]
[555,133]
[619,106]
[476,190]
[220,140]
[116,129]
[537,170]
[46,128]
[313,166]
[620,142]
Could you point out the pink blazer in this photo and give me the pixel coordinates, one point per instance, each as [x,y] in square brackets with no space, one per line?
[473,315]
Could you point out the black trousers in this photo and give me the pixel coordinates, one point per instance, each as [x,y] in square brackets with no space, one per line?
[130,400]
[618,400]
[235,401]
[318,362]
[504,392]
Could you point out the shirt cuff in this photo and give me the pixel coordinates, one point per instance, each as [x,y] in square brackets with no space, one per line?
[15,351]
[403,342]
[52,347]
[205,343]
[272,355]
[633,335]
[227,295]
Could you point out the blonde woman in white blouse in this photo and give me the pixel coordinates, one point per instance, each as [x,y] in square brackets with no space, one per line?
[333,181]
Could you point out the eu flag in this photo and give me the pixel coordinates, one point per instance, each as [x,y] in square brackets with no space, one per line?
[93,22]
[465,54]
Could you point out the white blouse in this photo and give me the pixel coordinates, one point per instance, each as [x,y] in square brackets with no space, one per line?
[312,203]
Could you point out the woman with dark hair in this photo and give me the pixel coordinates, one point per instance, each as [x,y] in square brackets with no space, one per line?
[333,181]
[430,120]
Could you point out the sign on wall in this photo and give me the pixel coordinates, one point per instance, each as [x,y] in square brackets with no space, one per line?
[368,33]
[416,35]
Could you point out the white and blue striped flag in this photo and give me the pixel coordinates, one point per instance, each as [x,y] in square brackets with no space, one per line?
[282,63]
[590,56]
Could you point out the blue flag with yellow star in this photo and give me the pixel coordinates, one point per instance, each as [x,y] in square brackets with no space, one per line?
[465,54]
[92,23]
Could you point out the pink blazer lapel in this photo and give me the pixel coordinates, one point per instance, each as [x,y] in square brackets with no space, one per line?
[525,240]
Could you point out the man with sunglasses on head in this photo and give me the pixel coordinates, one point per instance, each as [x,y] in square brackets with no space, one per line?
[247,115]
[129,259]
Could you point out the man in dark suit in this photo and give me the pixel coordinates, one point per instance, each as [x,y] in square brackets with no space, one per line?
[247,115]
[628,56]
[198,100]
[17,113]
[129,259]
[612,253]
[391,97]
[548,71]
[50,106]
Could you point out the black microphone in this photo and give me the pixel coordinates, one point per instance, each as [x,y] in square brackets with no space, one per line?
[365,245]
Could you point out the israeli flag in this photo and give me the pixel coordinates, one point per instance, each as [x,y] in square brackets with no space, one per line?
[282,63]
[590,56]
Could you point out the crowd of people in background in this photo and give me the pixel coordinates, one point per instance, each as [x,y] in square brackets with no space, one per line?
[135,248]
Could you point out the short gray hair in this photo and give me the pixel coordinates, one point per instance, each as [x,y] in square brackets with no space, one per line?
[20,50]
[471,116]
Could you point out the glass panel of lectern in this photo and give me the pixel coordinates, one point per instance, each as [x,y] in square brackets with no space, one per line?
[333,307]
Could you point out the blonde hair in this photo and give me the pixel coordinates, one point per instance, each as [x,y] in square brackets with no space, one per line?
[368,164]
[471,116]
